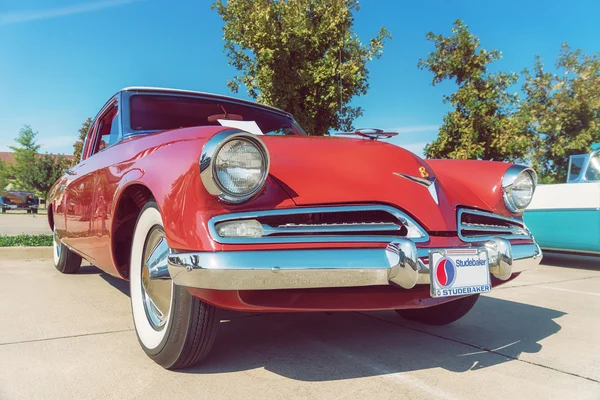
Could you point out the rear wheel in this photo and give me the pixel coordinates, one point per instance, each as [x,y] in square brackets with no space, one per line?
[65,260]
[174,328]
[442,314]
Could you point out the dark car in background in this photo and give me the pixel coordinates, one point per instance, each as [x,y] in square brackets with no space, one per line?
[19,200]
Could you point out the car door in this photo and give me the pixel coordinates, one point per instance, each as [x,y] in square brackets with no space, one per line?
[82,186]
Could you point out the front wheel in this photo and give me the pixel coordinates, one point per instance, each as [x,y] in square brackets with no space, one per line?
[441,314]
[174,328]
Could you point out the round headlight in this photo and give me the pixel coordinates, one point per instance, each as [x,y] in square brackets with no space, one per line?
[518,185]
[234,165]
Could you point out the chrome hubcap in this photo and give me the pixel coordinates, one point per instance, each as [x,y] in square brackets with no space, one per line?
[157,286]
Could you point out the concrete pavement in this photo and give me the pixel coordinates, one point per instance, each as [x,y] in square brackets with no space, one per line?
[71,337]
[18,222]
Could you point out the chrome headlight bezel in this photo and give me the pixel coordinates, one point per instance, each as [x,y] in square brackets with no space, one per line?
[508,180]
[208,170]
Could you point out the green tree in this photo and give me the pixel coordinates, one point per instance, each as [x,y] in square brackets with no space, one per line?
[25,158]
[482,122]
[301,56]
[34,171]
[48,168]
[78,146]
[3,175]
[562,110]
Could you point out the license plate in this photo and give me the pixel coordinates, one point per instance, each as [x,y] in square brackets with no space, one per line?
[455,272]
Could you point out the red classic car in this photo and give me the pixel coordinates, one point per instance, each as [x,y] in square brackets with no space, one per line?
[206,202]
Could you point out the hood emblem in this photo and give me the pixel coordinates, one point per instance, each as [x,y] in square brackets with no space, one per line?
[425,181]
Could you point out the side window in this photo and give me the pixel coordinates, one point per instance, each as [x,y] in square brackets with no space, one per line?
[593,169]
[575,165]
[108,130]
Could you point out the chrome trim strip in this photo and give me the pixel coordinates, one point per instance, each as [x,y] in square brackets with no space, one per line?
[421,181]
[307,268]
[402,217]
[486,228]
[329,228]
[526,257]
[398,264]
[511,235]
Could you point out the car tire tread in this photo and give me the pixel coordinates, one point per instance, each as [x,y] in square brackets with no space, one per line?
[69,262]
[192,326]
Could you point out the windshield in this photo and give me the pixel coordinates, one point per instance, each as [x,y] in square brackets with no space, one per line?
[160,112]
[593,170]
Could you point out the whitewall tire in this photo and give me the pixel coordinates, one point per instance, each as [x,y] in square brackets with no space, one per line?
[175,329]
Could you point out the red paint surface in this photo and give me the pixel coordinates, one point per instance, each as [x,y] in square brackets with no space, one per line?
[367,298]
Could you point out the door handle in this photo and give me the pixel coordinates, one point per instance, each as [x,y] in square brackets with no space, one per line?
[69,171]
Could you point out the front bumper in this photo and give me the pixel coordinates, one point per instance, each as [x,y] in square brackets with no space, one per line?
[400,263]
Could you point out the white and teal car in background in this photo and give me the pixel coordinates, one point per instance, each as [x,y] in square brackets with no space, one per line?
[565,217]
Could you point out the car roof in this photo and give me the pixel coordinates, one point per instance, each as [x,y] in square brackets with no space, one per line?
[203,94]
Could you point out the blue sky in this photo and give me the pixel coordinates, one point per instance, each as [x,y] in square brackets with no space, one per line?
[60,60]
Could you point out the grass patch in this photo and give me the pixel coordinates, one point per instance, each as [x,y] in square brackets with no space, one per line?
[25,240]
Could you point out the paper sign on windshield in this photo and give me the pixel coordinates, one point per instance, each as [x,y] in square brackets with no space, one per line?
[248,126]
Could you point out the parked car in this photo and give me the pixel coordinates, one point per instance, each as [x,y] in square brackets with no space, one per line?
[205,202]
[573,206]
[19,200]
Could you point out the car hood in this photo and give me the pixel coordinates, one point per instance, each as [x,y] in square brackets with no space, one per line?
[328,170]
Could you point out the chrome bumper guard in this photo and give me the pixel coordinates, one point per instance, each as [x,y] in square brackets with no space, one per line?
[399,264]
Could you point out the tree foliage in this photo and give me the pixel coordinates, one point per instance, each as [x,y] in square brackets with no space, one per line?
[78,146]
[562,110]
[25,157]
[48,168]
[34,171]
[481,124]
[3,175]
[301,56]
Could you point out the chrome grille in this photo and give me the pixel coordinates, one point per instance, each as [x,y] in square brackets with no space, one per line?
[476,225]
[372,223]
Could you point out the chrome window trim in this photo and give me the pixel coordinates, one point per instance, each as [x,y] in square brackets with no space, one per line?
[105,107]
[401,216]
[114,101]
[509,236]
[127,94]
[581,176]
[588,161]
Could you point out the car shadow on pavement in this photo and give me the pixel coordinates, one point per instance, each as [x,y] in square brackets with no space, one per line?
[577,261]
[347,345]
[119,284]
[321,347]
